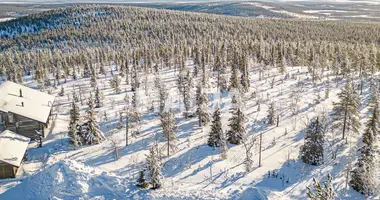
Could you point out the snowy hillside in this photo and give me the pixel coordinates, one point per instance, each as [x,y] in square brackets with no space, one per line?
[195,171]
[159,104]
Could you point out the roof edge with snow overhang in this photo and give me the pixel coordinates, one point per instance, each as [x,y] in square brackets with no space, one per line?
[12,147]
[24,101]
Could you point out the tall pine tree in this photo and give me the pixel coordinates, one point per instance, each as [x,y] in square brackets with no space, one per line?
[234,80]
[312,150]
[323,191]
[363,177]
[169,128]
[345,113]
[237,133]
[214,139]
[271,114]
[98,99]
[115,84]
[154,167]
[90,131]
[187,84]
[203,109]
[74,121]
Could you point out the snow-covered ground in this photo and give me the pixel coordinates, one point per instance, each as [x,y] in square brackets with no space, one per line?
[281,11]
[195,171]
[5,19]
[362,16]
[327,11]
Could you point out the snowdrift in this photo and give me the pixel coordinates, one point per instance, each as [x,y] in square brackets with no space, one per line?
[69,179]
[252,194]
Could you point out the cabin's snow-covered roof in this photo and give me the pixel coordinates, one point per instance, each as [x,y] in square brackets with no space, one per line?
[37,105]
[12,147]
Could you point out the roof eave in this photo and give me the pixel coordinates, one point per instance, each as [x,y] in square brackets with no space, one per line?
[11,163]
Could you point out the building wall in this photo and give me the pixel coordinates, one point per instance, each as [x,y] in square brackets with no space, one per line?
[22,125]
[7,171]
[2,121]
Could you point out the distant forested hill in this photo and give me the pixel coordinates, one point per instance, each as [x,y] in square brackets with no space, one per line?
[95,33]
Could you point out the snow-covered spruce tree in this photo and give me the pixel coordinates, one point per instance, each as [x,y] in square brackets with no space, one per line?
[86,67]
[127,71]
[90,131]
[154,167]
[237,133]
[282,64]
[163,95]
[126,100]
[74,121]
[74,73]
[135,114]
[214,139]
[101,69]
[115,84]
[223,145]
[321,192]
[169,128]
[312,150]
[18,75]
[245,81]
[363,177]
[234,80]
[196,62]
[47,82]
[98,99]
[345,112]
[141,182]
[135,79]
[248,160]
[122,71]
[93,81]
[75,96]
[271,114]
[203,109]
[204,73]
[198,93]
[62,92]
[187,84]
[373,124]
[181,78]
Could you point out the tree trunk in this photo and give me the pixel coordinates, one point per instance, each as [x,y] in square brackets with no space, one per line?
[116,153]
[278,120]
[361,87]
[200,119]
[345,120]
[261,140]
[126,131]
[168,122]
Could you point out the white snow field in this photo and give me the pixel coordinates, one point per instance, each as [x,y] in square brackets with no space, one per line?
[195,170]
[5,19]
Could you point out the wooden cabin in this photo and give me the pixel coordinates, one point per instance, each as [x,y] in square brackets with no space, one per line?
[24,110]
[12,153]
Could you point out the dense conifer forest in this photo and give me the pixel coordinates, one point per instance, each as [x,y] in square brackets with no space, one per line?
[271,66]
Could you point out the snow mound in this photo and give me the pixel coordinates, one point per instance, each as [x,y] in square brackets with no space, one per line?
[67,180]
[250,193]
[253,194]
[71,180]
[186,195]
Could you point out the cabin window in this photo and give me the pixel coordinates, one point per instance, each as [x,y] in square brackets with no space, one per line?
[11,118]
